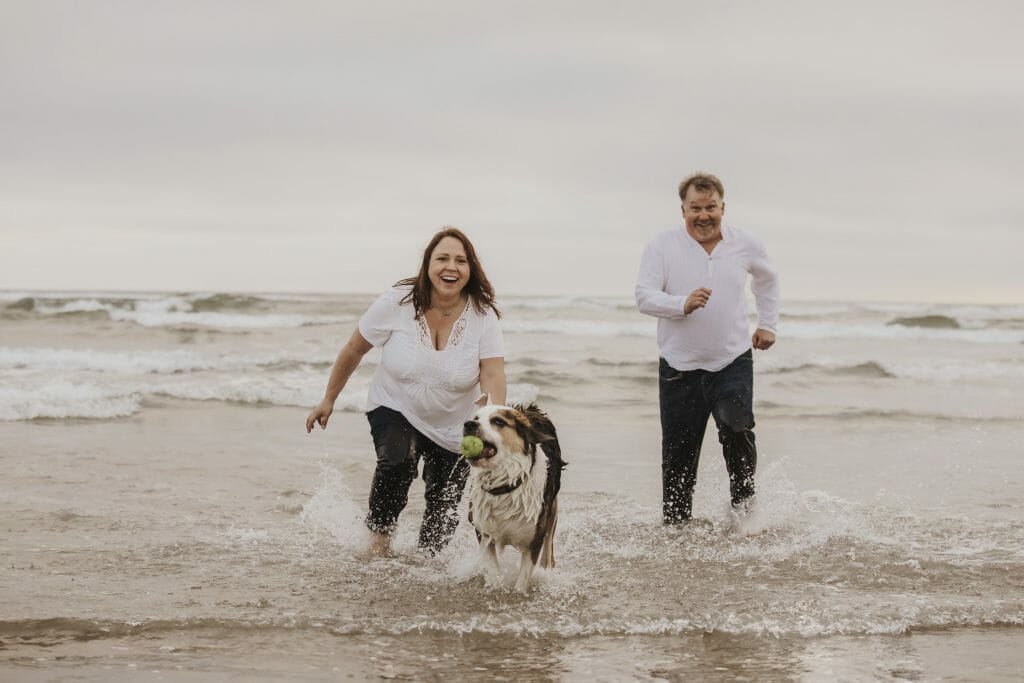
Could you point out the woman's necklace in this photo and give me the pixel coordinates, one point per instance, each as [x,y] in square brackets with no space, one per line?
[448,313]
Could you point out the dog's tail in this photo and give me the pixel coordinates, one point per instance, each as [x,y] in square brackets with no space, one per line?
[547,550]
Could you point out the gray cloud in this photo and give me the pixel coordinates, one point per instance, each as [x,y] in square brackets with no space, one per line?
[842,131]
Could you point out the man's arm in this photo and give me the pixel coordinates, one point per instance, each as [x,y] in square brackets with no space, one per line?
[764,283]
[651,297]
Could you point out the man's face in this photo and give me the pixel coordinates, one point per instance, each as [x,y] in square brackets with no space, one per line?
[703,213]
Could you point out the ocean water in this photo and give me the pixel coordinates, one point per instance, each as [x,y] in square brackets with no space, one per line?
[167,517]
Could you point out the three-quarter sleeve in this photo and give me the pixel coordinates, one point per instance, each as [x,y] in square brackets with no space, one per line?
[380,319]
[492,343]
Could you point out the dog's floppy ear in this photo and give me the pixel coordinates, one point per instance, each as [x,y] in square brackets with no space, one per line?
[482,401]
[542,433]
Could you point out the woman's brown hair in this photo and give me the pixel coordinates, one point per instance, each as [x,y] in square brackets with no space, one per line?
[479,288]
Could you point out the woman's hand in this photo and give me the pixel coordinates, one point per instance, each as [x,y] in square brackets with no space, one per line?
[320,415]
[344,365]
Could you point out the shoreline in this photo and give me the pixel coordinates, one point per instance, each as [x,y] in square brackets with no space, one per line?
[966,654]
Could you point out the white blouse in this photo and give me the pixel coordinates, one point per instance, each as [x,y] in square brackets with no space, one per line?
[434,390]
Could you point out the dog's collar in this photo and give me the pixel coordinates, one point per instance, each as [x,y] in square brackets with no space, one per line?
[507,488]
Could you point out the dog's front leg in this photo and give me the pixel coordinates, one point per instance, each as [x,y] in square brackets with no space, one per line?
[489,557]
[525,572]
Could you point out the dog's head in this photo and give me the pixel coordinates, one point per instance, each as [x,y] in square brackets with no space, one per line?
[512,432]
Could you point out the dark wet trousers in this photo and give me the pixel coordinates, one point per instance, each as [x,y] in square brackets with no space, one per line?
[688,398]
[399,448]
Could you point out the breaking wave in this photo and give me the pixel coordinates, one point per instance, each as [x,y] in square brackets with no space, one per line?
[928,321]
[221,311]
[29,399]
[142,362]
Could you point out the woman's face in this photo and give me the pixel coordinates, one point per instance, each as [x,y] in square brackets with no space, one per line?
[449,268]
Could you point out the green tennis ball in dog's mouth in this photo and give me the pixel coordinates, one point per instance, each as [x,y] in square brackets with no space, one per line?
[471,446]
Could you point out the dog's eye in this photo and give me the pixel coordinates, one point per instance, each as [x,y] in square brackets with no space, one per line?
[498,422]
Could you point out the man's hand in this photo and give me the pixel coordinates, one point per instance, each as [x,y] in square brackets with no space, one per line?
[762,339]
[697,299]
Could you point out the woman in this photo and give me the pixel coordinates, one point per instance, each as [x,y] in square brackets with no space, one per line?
[441,350]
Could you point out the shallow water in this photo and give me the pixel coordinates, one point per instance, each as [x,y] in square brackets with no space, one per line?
[183,539]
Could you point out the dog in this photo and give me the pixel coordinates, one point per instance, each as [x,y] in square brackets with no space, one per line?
[514,497]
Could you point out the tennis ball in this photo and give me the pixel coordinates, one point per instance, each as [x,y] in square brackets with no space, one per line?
[471,446]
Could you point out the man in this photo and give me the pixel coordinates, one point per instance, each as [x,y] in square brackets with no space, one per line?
[694,281]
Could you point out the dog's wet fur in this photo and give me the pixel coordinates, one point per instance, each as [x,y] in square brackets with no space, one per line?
[514,497]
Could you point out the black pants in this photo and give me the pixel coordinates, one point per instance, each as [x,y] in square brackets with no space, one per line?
[399,446]
[687,399]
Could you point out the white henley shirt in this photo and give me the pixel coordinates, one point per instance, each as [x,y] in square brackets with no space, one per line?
[674,264]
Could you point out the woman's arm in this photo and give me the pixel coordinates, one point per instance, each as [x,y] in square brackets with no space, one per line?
[492,379]
[345,364]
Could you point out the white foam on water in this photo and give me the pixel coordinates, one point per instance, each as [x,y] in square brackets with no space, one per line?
[604,316]
[292,388]
[333,510]
[255,536]
[521,393]
[571,303]
[898,621]
[666,583]
[172,361]
[66,399]
[142,362]
[836,330]
[964,313]
[549,303]
[15,295]
[581,328]
[952,371]
[225,320]
[28,396]
[935,369]
[176,311]
[795,329]
[798,309]
[109,385]
[876,620]
[72,306]
[783,522]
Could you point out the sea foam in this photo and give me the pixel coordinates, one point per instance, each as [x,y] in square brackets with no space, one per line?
[164,361]
[65,399]
[179,311]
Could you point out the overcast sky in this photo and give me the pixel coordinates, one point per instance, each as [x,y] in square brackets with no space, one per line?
[875,146]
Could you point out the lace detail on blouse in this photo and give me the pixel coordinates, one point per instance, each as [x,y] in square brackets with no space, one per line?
[458,329]
[421,325]
[454,337]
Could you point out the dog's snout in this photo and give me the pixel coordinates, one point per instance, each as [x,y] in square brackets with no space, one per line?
[470,427]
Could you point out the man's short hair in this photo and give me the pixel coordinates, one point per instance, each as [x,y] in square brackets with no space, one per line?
[702,182]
